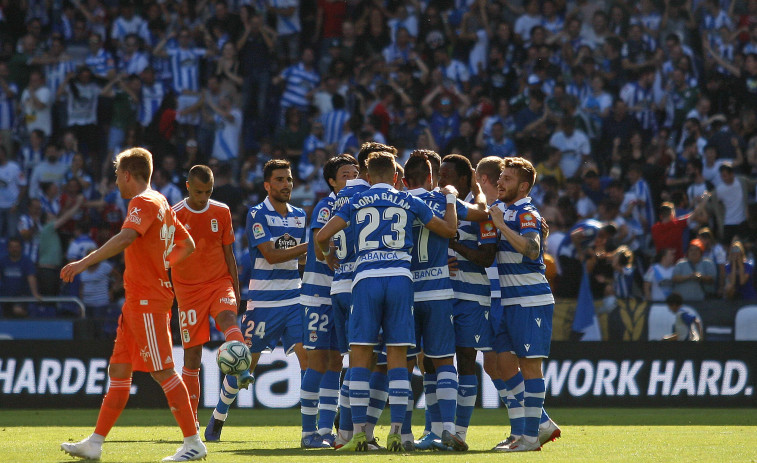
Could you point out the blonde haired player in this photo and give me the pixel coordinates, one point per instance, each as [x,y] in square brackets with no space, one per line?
[152,241]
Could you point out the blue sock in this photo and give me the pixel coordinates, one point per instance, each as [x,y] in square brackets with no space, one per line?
[399,390]
[433,416]
[408,423]
[379,386]
[544,417]
[515,410]
[446,395]
[501,390]
[467,391]
[533,402]
[229,391]
[309,400]
[345,411]
[360,396]
[328,399]
[302,375]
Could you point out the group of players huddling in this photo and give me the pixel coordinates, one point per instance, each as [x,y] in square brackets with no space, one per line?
[398,272]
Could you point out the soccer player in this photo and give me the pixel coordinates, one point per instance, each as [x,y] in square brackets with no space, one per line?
[382,220]
[206,283]
[341,299]
[433,307]
[526,328]
[473,251]
[153,241]
[319,391]
[276,234]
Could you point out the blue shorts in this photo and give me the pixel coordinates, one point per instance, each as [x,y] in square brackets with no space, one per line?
[383,303]
[434,328]
[472,327]
[340,307]
[495,319]
[526,331]
[263,327]
[319,332]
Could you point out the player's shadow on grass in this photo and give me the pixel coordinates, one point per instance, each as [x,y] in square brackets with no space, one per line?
[289,451]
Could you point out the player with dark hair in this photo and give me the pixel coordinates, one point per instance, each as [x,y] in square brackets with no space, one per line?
[276,233]
[152,241]
[207,282]
[319,392]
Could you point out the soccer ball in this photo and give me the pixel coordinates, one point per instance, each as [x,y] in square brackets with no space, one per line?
[233,357]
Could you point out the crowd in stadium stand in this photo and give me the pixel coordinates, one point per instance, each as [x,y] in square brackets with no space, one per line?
[640,117]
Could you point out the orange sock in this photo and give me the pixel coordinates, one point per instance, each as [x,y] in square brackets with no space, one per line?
[191,379]
[178,400]
[113,404]
[233,333]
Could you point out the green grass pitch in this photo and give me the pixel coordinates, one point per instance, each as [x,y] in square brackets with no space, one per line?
[589,434]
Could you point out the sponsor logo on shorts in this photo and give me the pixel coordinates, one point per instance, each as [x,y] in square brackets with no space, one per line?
[228,300]
[527,220]
[168,359]
[214,225]
[527,346]
[134,215]
[477,337]
[538,322]
[257,231]
[144,352]
[487,230]
[144,301]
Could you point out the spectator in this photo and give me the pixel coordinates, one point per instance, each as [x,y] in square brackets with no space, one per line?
[288,28]
[94,290]
[716,253]
[300,80]
[739,275]
[228,122]
[50,170]
[687,325]
[444,122]
[12,190]
[497,144]
[99,60]
[36,103]
[81,113]
[693,276]
[658,281]
[668,232]
[18,278]
[29,227]
[734,194]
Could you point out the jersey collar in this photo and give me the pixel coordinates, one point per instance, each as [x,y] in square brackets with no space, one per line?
[186,204]
[521,201]
[332,195]
[357,181]
[270,207]
[382,186]
[417,191]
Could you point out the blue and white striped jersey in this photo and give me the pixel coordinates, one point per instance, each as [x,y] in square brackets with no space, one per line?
[185,65]
[429,264]
[274,285]
[134,64]
[55,74]
[299,82]
[100,63]
[8,107]
[287,25]
[344,241]
[522,280]
[493,271]
[640,189]
[316,281]
[382,220]
[470,282]
[123,27]
[333,125]
[152,96]
[642,100]
[226,142]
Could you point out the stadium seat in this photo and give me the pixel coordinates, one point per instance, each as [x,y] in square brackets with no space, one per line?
[746,324]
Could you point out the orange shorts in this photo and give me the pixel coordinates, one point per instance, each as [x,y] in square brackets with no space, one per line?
[143,338]
[196,307]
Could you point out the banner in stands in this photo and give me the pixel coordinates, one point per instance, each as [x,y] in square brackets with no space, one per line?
[46,374]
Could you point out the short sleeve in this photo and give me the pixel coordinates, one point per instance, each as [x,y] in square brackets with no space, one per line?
[228,229]
[180,232]
[462,210]
[141,214]
[257,228]
[421,210]
[320,217]
[529,221]
[344,211]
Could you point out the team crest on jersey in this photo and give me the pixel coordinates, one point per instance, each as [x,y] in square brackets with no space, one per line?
[487,230]
[285,241]
[313,336]
[323,215]
[257,231]
[134,215]
[527,220]
[214,225]
[185,335]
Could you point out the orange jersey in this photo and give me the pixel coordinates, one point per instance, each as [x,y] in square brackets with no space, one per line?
[211,229]
[146,274]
